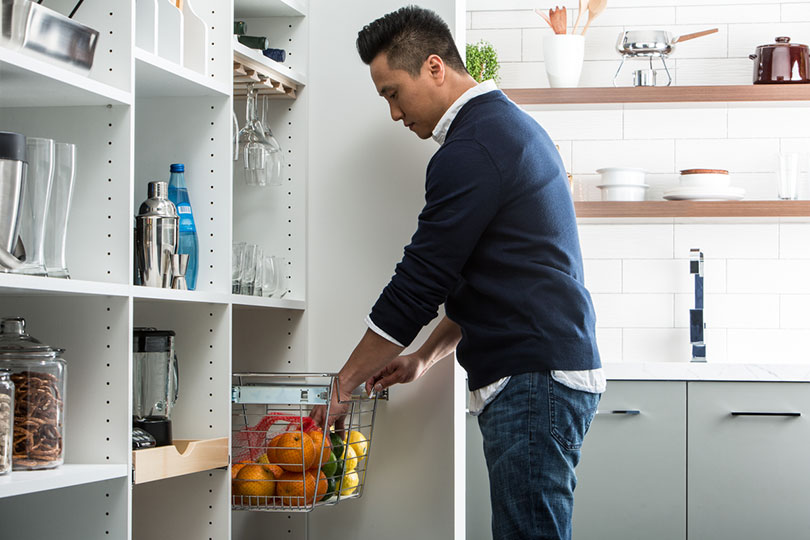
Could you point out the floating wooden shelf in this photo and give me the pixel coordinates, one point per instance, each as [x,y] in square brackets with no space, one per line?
[182,457]
[268,77]
[660,94]
[653,209]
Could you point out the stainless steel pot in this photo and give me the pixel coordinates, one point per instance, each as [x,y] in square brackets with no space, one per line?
[651,44]
[13,168]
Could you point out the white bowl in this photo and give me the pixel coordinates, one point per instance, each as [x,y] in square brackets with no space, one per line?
[707,180]
[622,175]
[623,192]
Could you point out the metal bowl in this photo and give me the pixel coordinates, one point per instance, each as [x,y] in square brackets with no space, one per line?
[645,43]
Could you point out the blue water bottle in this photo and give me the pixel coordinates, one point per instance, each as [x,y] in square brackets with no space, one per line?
[178,194]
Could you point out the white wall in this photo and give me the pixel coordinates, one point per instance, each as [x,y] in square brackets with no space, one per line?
[757,292]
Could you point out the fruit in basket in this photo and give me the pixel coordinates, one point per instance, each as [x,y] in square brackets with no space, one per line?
[263,459]
[351,460]
[337,445]
[295,452]
[299,489]
[330,466]
[255,480]
[236,468]
[349,484]
[331,489]
[271,448]
[318,439]
[359,442]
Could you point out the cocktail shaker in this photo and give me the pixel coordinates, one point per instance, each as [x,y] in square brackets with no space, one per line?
[13,166]
[156,237]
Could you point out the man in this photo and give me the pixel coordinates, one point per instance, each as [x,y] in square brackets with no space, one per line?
[497,244]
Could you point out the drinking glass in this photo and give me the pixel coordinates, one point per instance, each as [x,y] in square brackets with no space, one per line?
[35,206]
[258,273]
[281,277]
[269,276]
[255,146]
[236,267]
[787,180]
[248,276]
[235,136]
[275,160]
[64,176]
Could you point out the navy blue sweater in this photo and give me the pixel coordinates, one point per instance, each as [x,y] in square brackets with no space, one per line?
[497,243]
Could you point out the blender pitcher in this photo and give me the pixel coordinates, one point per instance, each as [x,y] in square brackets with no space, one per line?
[154,382]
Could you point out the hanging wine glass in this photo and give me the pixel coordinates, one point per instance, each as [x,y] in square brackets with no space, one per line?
[255,146]
[275,170]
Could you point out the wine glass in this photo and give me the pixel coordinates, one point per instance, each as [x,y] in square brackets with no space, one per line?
[255,146]
[275,163]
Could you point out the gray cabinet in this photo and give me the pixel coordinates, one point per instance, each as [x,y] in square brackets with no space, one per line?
[632,475]
[748,461]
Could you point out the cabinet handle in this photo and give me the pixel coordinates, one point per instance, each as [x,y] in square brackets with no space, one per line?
[756,413]
[620,411]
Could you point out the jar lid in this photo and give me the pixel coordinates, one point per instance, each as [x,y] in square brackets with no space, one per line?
[15,342]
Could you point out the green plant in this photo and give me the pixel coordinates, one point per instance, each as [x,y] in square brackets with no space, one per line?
[482,61]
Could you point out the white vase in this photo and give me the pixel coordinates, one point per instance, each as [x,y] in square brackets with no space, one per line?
[563,55]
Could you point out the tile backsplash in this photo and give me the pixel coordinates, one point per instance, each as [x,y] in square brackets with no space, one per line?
[757,303]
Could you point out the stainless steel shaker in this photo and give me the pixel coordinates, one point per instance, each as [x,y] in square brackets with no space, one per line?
[156,237]
[13,169]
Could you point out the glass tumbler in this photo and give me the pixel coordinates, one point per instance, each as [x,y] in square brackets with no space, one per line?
[248,277]
[64,176]
[258,272]
[35,205]
[788,176]
[269,276]
[236,267]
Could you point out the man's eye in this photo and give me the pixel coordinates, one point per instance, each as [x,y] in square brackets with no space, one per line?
[394,95]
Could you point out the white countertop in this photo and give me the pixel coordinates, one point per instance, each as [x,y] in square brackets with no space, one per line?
[687,371]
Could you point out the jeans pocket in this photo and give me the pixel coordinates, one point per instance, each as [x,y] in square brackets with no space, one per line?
[571,412]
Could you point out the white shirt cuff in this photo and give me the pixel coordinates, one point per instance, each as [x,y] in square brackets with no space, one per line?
[380,332]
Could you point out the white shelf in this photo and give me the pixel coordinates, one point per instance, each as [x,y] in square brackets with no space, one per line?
[270,8]
[269,67]
[11,284]
[242,300]
[158,77]
[171,295]
[23,482]
[30,82]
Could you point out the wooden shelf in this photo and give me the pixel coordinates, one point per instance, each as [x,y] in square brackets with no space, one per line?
[269,77]
[664,209]
[660,94]
[182,457]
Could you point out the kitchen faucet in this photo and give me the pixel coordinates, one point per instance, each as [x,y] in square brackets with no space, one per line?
[696,324]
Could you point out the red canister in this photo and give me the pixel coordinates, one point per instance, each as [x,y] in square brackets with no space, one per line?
[781,62]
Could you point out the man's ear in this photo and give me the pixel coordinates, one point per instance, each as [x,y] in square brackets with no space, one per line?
[435,68]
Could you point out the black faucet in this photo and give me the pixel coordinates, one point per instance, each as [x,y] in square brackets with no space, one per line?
[696,324]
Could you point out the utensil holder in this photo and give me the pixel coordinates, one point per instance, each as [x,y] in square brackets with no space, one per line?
[563,55]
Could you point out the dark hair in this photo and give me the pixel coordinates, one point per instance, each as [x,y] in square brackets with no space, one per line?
[408,36]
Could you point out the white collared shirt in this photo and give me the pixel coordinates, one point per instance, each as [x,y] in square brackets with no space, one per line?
[591,380]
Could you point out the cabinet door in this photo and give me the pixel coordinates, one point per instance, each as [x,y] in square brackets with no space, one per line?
[748,461]
[632,475]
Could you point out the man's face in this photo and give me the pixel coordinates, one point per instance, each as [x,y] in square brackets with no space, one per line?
[415,101]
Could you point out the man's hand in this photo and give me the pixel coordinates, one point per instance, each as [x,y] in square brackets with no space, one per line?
[337,411]
[403,369]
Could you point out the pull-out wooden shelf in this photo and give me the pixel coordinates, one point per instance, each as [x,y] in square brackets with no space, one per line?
[652,209]
[183,457]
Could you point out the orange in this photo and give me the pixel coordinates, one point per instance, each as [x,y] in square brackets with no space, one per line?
[298,489]
[317,438]
[295,452]
[271,448]
[255,481]
[236,467]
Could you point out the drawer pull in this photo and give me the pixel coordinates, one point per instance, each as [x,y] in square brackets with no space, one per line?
[620,411]
[754,413]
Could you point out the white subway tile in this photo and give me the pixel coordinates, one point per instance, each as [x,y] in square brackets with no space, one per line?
[636,16]
[758,186]
[712,71]
[650,155]
[794,276]
[786,276]
[603,275]
[761,122]
[523,75]
[565,152]
[743,39]
[680,123]
[469,20]
[797,144]
[507,19]
[584,124]
[495,5]
[769,346]
[601,43]
[597,73]
[711,15]
[726,241]
[626,241]
[507,43]
[731,310]
[633,310]
[794,240]
[743,155]
[794,311]
[533,44]
[711,46]
[796,12]
[609,341]
[656,345]
[671,276]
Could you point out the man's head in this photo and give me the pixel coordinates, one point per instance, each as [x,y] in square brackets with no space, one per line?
[415,66]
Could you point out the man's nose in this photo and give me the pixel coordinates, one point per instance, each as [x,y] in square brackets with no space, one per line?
[396,113]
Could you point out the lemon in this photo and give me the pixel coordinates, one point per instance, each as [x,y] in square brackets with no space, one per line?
[349,484]
[351,460]
[263,459]
[359,443]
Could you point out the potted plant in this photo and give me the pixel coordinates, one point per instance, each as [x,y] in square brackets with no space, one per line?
[482,61]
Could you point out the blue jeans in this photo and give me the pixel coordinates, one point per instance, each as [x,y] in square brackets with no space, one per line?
[533,431]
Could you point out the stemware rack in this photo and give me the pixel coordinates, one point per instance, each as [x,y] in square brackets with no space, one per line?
[266,78]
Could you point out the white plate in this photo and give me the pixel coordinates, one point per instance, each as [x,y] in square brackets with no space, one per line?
[704,194]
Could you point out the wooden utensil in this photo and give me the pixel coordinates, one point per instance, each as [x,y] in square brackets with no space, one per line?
[687,37]
[557,17]
[582,8]
[544,16]
[595,8]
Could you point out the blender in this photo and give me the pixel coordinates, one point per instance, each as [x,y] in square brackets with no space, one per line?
[154,382]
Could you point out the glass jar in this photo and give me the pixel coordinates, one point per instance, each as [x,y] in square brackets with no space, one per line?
[6,420]
[38,373]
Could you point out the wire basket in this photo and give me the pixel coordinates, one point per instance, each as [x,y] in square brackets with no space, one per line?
[282,461]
